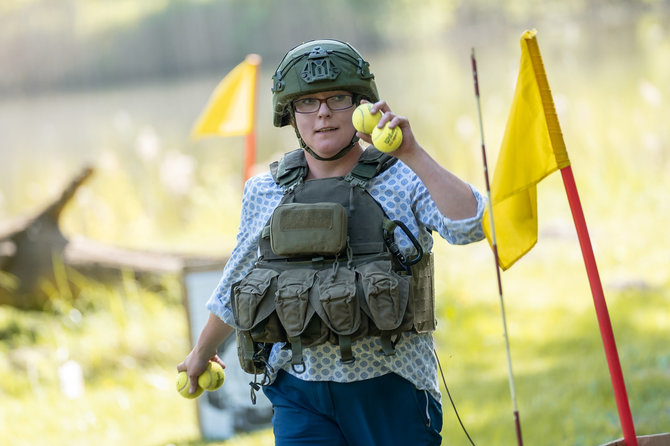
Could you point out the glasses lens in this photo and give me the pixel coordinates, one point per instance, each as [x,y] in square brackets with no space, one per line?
[306,105]
[339,102]
[335,103]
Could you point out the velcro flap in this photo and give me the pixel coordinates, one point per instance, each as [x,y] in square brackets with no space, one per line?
[308,228]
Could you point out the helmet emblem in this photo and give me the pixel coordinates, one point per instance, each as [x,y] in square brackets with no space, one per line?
[319,66]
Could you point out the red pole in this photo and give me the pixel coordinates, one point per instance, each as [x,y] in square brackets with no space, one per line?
[249,153]
[602,313]
[250,140]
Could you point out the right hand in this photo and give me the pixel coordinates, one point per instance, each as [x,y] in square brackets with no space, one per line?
[213,334]
[195,364]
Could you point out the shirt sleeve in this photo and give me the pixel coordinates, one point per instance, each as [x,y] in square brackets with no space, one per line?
[402,183]
[456,232]
[259,199]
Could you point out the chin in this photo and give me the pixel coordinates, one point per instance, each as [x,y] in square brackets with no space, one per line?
[328,149]
[325,153]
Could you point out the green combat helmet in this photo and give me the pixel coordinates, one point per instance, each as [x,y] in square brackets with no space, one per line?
[316,66]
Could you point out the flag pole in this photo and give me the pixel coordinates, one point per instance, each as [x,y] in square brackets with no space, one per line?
[602,313]
[231,110]
[249,154]
[250,139]
[517,422]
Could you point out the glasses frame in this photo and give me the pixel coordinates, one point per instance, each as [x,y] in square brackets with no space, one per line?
[321,101]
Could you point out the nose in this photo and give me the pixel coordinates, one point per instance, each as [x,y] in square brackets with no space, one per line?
[324,110]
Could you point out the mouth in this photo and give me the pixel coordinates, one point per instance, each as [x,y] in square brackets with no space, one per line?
[326,130]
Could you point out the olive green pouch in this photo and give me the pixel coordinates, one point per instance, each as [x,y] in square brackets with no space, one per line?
[308,228]
[423,294]
[386,293]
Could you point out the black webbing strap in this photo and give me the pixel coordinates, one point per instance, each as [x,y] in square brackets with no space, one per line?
[371,163]
[289,170]
[296,350]
[388,346]
[346,356]
[292,167]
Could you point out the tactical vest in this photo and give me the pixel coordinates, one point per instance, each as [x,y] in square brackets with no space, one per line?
[329,269]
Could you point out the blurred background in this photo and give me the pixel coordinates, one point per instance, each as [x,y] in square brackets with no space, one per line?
[116,85]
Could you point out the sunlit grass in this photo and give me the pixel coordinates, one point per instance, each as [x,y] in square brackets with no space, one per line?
[127,341]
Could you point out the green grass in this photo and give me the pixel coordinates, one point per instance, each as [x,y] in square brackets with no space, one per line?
[128,340]
[562,383]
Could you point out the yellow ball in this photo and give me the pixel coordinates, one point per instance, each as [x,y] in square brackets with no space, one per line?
[183,385]
[212,378]
[386,139]
[363,120]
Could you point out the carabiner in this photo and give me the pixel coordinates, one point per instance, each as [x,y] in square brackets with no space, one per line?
[389,227]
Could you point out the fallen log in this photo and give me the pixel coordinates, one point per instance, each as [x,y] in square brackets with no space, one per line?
[31,246]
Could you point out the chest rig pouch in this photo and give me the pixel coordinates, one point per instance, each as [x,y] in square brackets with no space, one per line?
[308,228]
[329,270]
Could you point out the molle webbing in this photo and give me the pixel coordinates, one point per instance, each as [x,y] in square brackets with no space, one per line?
[364,227]
[371,163]
[289,170]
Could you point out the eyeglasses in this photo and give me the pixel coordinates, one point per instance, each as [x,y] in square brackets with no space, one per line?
[334,103]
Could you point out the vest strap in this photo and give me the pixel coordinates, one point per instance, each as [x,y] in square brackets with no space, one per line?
[371,163]
[296,350]
[388,346]
[248,345]
[346,356]
[292,168]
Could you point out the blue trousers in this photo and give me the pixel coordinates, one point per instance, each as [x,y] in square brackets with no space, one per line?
[387,410]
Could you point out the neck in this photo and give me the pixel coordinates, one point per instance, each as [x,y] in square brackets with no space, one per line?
[336,168]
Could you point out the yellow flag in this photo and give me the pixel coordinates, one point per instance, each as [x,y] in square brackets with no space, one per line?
[531,149]
[231,107]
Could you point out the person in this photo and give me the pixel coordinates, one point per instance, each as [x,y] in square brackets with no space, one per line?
[336,312]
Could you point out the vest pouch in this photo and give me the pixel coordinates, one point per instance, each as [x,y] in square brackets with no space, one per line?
[308,228]
[252,298]
[253,356]
[423,294]
[335,300]
[292,299]
[269,329]
[316,333]
[386,294]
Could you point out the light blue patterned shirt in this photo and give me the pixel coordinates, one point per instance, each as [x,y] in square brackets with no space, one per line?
[403,197]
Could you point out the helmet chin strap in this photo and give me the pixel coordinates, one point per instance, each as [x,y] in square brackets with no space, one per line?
[337,156]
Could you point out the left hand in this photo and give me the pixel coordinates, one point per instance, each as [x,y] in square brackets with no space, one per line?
[453,197]
[408,145]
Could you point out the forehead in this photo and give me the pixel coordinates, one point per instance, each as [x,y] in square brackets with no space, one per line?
[325,94]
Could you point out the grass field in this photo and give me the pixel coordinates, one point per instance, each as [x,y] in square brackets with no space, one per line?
[126,340]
